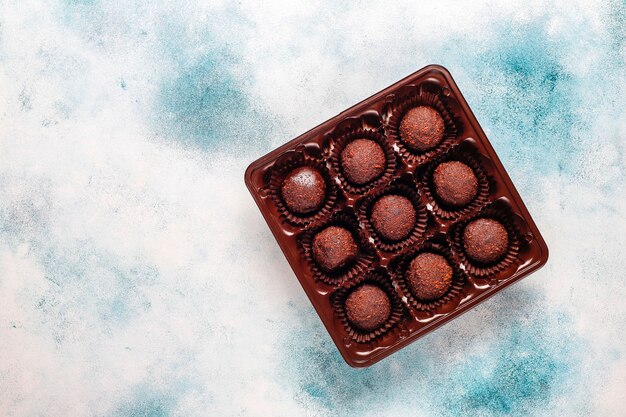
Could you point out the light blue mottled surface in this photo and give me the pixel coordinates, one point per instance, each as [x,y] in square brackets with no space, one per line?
[137,277]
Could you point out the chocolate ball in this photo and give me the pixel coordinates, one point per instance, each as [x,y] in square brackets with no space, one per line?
[368,307]
[485,240]
[393,217]
[333,248]
[304,190]
[363,160]
[455,183]
[429,276]
[422,128]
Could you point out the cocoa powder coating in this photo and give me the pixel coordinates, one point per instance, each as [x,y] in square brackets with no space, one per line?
[429,276]
[485,240]
[362,161]
[334,248]
[422,128]
[303,190]
[368,307]
[455,183]
[393,217]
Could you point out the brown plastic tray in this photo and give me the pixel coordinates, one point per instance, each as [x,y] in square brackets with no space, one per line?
[374,113]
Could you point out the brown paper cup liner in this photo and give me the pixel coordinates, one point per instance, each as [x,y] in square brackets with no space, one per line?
[440,208]
[421,97]
[359,265]
[493,211]
[278,173]
[335,159]
[381,280]
[407,190]
[399,273]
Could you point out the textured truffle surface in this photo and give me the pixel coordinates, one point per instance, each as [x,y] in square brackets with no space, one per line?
[422,128]
[368,307]
[334,248]
[455,183]
[393,217]
[429,276]
[485,240]
[304,190]
[362,161]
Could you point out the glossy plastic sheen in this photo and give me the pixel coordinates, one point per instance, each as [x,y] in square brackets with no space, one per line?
[372,113]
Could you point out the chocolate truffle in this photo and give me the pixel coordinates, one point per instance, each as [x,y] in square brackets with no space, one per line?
[485,240]
[429,276]
[333,248]
[422,128]
[393,217]
[303,190]
[362,160]
[455,183]
[368,307]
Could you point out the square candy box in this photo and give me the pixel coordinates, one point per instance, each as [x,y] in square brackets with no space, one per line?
[396,216]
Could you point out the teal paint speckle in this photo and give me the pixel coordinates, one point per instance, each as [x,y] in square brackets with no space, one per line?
[520,371]
[84,273]
[206,105]
[146,404]
[517,375]
[144,409]
[137,277]
[524,95]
